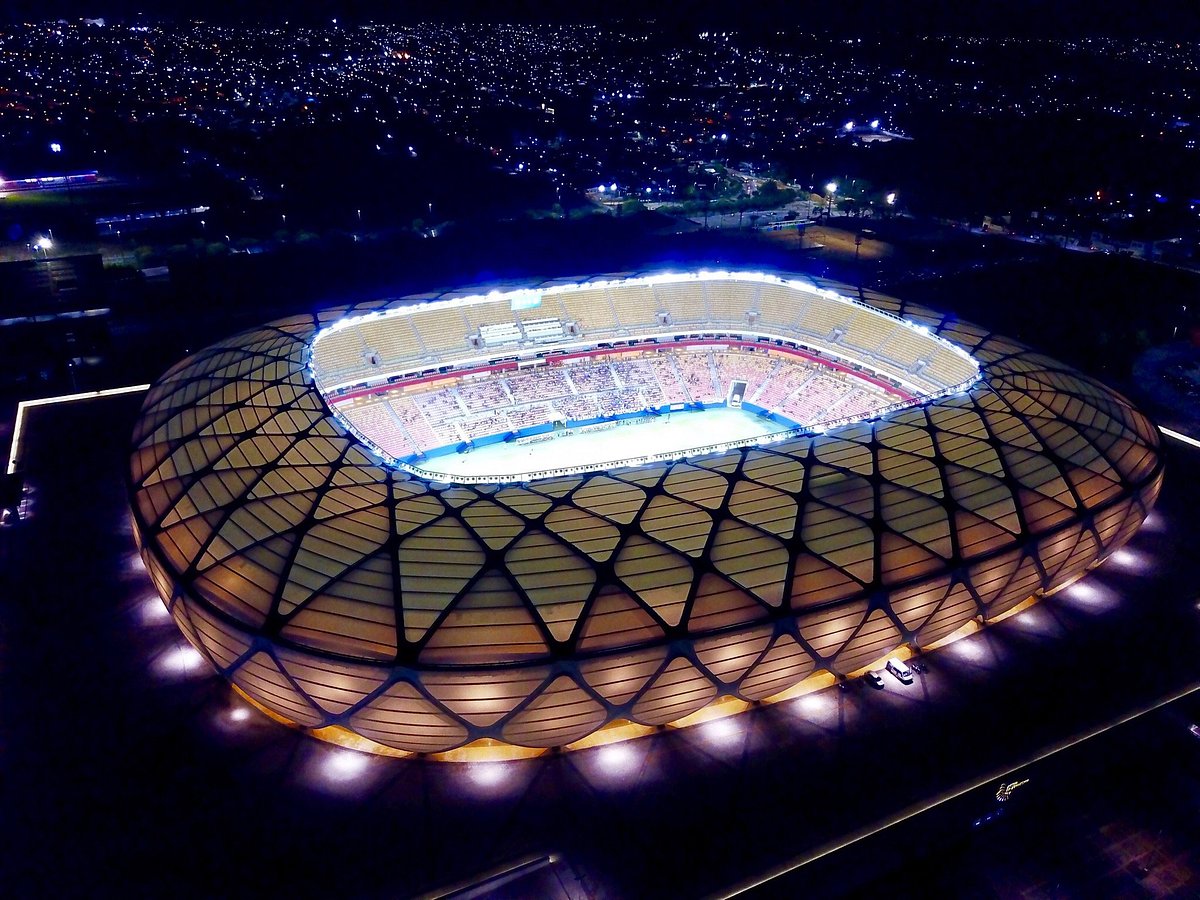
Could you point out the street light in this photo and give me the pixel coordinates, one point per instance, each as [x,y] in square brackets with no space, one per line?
[830,190]
[891,198]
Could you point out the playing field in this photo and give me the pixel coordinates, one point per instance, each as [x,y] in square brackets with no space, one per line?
[677,432]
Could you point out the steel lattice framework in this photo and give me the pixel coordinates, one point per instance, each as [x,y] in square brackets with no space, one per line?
[346,595]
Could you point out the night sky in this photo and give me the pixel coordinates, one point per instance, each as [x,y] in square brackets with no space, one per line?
[1163,18]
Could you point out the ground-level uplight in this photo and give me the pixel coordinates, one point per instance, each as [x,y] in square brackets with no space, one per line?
[488,774]
[722,731]
[183,660]
[617,759]
[154,611]
[345,765]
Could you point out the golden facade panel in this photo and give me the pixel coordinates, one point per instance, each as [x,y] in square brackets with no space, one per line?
[341,592]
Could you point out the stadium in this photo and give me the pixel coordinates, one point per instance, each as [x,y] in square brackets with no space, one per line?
[576,511]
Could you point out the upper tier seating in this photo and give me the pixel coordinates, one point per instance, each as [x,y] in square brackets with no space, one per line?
[416,339]
[685,302]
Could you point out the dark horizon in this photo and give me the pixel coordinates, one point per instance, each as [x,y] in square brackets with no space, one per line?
[1024,18]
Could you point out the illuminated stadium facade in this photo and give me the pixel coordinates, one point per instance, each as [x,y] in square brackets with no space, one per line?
[520,518]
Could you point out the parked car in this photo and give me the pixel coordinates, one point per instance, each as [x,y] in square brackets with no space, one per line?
[902,672]
[875,679]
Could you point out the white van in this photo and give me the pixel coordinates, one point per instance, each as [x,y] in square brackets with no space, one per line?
[900,670]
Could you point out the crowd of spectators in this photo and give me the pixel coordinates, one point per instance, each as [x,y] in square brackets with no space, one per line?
[404,422]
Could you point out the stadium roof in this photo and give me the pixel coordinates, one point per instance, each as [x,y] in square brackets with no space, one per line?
[340,593]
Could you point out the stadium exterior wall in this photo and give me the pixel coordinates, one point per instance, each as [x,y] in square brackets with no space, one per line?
[352,599]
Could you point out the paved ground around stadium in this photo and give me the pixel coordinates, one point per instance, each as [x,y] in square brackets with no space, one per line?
[127,772]
[673,433]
